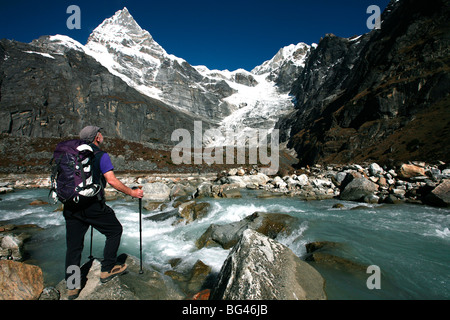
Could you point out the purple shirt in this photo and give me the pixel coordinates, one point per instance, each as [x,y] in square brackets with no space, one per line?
[105,163]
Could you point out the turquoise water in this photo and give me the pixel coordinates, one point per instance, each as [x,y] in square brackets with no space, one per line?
[409,243]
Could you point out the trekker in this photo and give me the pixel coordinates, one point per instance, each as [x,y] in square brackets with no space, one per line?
[94,212]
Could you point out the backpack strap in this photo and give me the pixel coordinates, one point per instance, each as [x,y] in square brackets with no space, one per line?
[54,172]
[97,173]
[83,175]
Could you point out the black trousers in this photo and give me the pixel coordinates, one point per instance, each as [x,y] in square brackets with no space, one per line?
[79,217]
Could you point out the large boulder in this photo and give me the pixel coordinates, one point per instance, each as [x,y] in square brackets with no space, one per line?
[324,253]
[259,179]
[151,285]
[357,189]
[192,281]
[156,191]
[439,196]
[259,268]
[269,224]
[191,210]
[11,246]
[302,180]
[410,171]
[20,281]
[13,238]
[375,169]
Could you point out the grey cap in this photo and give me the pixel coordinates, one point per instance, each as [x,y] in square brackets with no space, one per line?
[89,133]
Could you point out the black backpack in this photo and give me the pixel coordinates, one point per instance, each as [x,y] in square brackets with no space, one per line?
[72,176]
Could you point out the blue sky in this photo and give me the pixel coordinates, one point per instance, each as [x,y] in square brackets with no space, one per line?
[219,34]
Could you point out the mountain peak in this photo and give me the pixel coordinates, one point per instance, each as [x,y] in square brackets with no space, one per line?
[122,17]
[295,54]
[120,26]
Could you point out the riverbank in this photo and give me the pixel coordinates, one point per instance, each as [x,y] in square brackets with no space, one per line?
[413,182]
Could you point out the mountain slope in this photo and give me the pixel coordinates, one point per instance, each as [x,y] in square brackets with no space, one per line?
[53,93]
[286,65]
[374,97]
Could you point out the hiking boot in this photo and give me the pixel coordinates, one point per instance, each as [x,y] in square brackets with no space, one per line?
[116,271]
[73,294]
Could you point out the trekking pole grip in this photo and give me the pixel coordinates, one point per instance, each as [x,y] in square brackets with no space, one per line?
[140,199]
[138,187]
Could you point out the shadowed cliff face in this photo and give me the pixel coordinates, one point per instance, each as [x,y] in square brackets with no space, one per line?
[381,96]
[55,95]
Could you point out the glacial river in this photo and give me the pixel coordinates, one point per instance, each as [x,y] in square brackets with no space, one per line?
[410,244]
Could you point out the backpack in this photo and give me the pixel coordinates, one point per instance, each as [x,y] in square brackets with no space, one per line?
[72,172]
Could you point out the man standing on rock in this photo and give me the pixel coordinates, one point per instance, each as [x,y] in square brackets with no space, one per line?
[79,216]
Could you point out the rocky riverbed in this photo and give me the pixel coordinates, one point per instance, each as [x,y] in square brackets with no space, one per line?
[415,182]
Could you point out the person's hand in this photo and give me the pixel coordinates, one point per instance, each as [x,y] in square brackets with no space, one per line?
[137,193]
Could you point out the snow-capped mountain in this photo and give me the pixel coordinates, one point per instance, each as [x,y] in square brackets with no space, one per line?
[229,100]
[130,52]
[295,54]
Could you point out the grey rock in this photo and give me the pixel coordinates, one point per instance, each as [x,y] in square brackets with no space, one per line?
[259,268]
[270,224]
[191,282]
[358,189]
[191,211]
[151,285]
[163,215]
[156,191]
[258,179]
[371,199]
[439,196]
[12,246]
[50,293]
[302,179]
[392,199]
[231,193]
[245,79]
[204,190]
[375,169]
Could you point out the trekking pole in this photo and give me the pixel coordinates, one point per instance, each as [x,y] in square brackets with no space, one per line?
[91,257]
[140,233]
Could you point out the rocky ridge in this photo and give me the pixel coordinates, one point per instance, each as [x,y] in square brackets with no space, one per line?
[53,94]
[380,96]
